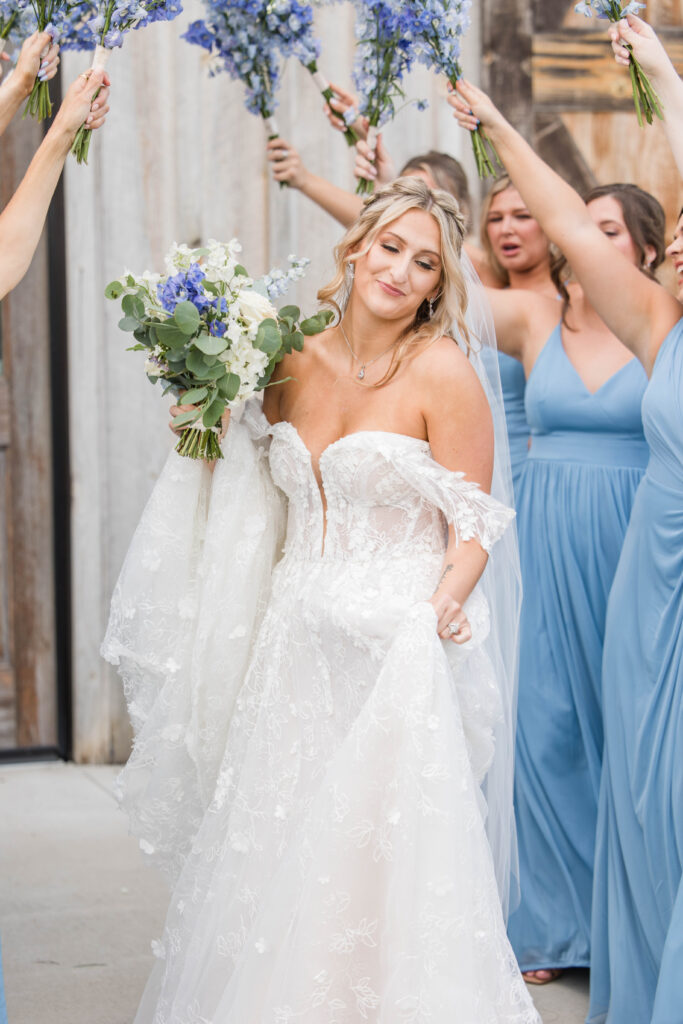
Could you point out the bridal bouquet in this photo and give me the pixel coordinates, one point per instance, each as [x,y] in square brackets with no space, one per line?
[109,21]
[645,98]
[439,30]
[211,333]
[385,51]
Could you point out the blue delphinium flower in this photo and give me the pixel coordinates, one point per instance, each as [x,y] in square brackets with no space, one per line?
[608,9]
[646,100]
[384,53]
[17,22]
[184,287]
[234,32]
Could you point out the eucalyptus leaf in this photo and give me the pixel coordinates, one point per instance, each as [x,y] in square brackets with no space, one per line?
[186,316]
[183,418]
[128,323]
[142,334]
[169,335]
[195,395]
[291,312]
[316,323]
[133,306]
[113,290]
[229,386]
[215,372]
[214,412]
[210,345]
[196,365]
[268,337]
[297,340]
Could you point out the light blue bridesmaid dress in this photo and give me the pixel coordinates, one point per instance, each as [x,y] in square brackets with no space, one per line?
[588,453]
[513,384]
[637,971]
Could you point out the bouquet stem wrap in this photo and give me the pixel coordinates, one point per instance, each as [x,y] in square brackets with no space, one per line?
[366,186]
[81,144]
[323,86]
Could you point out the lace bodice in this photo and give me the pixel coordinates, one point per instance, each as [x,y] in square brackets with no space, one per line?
[384,496]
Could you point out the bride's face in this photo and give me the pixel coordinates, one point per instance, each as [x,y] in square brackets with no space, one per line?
[402,267]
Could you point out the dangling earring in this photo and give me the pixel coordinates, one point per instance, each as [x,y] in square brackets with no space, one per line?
[350,270]
[431,309]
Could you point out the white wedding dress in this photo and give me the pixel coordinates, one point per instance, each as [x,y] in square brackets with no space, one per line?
[309,754]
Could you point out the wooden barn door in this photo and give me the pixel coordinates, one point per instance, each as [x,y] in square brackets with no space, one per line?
[29,721]
[552,73]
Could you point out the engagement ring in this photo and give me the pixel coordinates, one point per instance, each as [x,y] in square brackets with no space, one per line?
[453,628]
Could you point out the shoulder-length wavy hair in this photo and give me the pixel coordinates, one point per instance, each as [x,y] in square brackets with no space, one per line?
[448,308]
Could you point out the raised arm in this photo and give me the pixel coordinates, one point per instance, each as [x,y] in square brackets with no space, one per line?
[287,166]
[653,58]
[38,56]
[638,310]
[21,222]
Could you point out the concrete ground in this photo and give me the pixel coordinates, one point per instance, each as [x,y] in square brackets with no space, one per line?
[78,908]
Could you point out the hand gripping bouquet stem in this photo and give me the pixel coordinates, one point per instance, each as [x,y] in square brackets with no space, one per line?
[440,26]
[110,21]
[645,99]
[211,334]
[384,53]
[291,24]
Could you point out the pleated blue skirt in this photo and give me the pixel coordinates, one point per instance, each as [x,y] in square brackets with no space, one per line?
[574,501]
[637,973]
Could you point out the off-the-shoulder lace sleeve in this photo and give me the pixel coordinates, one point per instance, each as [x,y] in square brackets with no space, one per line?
[184,613]
[473,514]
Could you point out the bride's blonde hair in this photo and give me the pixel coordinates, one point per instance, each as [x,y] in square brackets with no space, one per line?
[448,308]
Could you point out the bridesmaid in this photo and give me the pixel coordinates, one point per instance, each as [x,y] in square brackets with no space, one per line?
[587,456]
[518,254]
[641,821]
[637,972]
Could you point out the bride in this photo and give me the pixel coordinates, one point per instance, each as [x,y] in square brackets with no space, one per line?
[320,677]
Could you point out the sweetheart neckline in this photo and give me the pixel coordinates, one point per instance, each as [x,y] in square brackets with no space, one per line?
[345,437]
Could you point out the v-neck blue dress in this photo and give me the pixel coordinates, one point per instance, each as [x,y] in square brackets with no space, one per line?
[587,456]
[637,970]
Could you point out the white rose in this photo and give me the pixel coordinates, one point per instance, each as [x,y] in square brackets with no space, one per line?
[254,307]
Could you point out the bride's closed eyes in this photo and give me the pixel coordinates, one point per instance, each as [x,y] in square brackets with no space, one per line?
[423,264]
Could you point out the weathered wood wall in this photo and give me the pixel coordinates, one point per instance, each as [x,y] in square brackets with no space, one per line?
[27,621]
[180,159]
